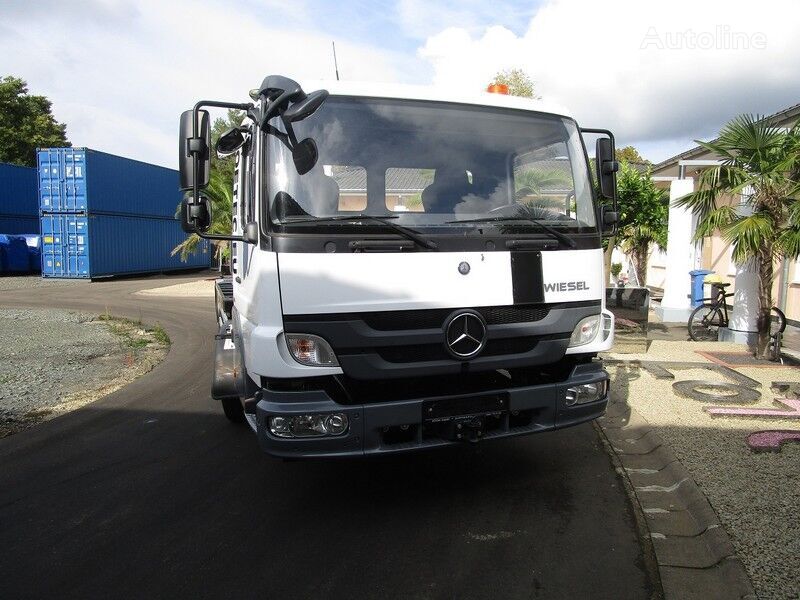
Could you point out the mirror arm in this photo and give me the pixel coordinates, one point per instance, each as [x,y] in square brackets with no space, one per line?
[226,238]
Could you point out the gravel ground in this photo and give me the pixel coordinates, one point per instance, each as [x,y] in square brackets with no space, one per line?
[21,282]
[756,495]
[53,361]
[203,288]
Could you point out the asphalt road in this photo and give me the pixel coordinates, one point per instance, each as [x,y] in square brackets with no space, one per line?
[151,492]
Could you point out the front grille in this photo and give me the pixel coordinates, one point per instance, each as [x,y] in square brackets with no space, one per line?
[430,352]
[434,318]
[411,343]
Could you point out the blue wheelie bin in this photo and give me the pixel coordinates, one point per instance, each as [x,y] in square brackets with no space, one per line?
[697,285]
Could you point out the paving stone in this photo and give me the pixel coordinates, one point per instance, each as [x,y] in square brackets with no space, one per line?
[723,581]
[698,552]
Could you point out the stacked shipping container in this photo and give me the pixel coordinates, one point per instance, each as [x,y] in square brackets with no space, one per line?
[104,215]
[19,208]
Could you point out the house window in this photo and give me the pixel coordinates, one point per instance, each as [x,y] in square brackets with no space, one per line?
[404,187]
[352,182]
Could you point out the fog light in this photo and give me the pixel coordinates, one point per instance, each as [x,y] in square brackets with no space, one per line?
[588,392]
[311,350]
[336,424]
[298,426]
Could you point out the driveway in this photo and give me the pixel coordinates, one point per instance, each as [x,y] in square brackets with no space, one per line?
[150,492]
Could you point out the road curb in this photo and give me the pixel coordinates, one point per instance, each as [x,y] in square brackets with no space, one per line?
[694,555]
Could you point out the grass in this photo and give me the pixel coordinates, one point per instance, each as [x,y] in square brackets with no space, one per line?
[160,335]
[133,334]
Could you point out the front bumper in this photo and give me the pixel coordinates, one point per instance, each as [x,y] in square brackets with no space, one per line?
[400,426]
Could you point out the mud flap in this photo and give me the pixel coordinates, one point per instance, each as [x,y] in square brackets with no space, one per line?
[223,382]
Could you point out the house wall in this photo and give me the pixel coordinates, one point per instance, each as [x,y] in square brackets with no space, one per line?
[717,257]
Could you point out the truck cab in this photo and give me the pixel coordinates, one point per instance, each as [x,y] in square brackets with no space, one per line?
[410,268]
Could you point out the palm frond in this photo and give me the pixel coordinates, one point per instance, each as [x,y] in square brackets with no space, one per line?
[749,235]
[717,219]
[788,243]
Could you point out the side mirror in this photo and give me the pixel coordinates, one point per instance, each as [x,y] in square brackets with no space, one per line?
[607,167]
[610,219]
[306,107]
[230,141]
[305,155]
[250,233]
[196,217]
[190,146]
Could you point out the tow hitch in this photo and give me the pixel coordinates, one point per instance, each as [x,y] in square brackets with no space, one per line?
[467,429]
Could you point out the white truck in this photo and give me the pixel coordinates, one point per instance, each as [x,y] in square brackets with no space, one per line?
[411,268]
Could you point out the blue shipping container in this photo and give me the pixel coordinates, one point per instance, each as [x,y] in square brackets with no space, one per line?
[18,225]
[93,246]
[18,198]
[79,180]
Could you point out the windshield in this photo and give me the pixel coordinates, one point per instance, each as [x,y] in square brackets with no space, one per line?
[432,165]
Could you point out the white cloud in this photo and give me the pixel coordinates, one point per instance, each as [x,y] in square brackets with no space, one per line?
[120,81]
[422,18]
[597,58]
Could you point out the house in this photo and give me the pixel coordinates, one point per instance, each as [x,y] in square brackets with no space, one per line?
[670,270]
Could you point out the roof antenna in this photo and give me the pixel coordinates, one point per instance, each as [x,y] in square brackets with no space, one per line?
[335,63]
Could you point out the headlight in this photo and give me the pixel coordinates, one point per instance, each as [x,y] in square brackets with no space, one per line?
[311,350]
[588,392]
[585,331]
[299,426]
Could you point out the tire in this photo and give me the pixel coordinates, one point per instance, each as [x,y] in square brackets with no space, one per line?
[233,409]
[704,323]
[777,322]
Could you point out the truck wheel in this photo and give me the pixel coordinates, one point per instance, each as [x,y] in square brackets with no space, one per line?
[233,410]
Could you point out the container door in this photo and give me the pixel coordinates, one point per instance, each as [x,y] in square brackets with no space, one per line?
[74,180]
[77,247]
[49,180]
[51,246]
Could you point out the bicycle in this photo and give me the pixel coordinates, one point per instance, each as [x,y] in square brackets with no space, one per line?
[706,319]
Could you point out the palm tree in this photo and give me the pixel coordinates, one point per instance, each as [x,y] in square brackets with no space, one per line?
[644,210]
[539,180]
[535,187]
[760,163]
[220,192]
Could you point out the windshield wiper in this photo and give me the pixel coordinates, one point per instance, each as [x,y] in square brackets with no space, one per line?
[554,232]
[406,232]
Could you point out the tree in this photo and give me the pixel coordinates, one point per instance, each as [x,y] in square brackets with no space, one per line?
[225,165]
[631,155]
[643,215]
[518,81]
[760,165]
[26,123]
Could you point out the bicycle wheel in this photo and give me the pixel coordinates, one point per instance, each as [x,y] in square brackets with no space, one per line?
[704,323]
[777,321]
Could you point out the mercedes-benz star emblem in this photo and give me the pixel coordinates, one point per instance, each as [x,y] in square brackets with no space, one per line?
[463,268]
[465,334]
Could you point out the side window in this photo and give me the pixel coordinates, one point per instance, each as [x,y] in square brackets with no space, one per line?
[404,187]
[352,182]
[543,181]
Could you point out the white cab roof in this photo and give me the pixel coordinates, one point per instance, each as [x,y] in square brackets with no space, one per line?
[433,93]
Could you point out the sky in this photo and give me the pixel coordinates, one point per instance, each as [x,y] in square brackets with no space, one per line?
[659,74]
